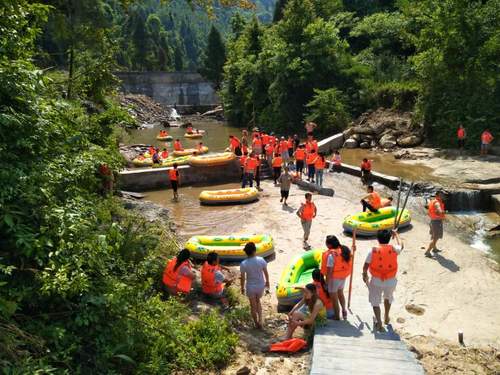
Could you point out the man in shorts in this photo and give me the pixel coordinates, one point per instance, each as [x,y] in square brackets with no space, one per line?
[436,212]
[174,180]
[382,262]
[285,181]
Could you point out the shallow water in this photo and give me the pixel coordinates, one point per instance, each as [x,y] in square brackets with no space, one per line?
[216,136]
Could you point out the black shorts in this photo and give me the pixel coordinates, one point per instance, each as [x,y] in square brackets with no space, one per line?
[299,165]
[175,185]
[284,194]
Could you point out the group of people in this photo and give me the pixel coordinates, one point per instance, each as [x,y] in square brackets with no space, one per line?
[323,298]
[486,139]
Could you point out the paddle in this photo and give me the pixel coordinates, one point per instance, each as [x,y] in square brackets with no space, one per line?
[404,206]
[352,267]
[399,199]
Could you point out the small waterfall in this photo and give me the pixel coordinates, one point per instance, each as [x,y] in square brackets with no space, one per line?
[466,200]
[478,239]
[174,115]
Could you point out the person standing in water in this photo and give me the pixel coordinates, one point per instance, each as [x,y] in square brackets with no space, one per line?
[307,212]
[285,181]
[174,180]
[382,262]
[436,211]
[254,280]
[336,266]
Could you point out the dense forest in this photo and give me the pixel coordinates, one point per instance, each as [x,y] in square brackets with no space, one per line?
[328,61]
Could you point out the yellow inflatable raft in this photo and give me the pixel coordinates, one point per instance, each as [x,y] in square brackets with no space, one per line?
[212,159]
[191,151]
[298,273]
[168,162]
[164,138]
[368,223]
[229,248]
[193,135]
[146,162]
[230,196]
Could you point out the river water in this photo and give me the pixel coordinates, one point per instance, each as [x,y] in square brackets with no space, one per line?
[192,219]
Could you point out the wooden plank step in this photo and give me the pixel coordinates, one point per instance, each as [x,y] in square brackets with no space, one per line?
[357,365]
[346,342]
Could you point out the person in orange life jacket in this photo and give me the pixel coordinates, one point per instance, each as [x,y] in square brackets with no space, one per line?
[174,178]
[213,280]
[436,212]
[265,139]
[311,163]
[319,166]
[366,171]
[307,212]
[250,169]
[486,139]
[306,311]
[336,265]
[199,148]
[254,280]
[151,151]
[300,157]
[371,201]
[336,161]
[235,145]
[257,146]
[189,129]
[276,164]
[269,150]
[141,157]
[461,135]
[386,202]
[178,275]
[322,289]
[164,154]
[283,150]
[382,262]
[178,145]
[243,160]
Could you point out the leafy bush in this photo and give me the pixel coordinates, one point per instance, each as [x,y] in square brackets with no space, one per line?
[328,109]
[397,95]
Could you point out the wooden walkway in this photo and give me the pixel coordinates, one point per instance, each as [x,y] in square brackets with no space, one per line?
[351,347]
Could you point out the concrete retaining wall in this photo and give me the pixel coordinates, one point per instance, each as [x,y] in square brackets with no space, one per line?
[157,178]
[389,181]
[181,89]
[330,144]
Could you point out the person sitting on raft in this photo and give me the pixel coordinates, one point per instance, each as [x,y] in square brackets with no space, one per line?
[178,276]
[322,289]
[178,145]
[199,147]
[371,201]
[164,154]
[213,280]
[156,157]
[189,129]
[386,202]
[141,157]
[306,311]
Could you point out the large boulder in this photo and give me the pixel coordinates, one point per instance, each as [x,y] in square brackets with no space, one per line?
[409,141]
[363,130]
[351,143]
[387,141]
[356,137]
[379,127]
[366,137]
[364,145]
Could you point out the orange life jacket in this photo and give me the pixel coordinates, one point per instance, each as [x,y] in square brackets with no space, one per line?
[283,146]
[433,214]
[486,137]
[208,284]
[265,139]
[311,159]
[313,145]
[235,143]
[308,211]
[251,164]
[177,146]
[341,268]
[461,133]
[243,159]
[290,143]
[320,163]
[300,154]
[366,165]
[375,200]
[152,151]
[244,149]
[164,154]
[175,281]
[257,143]
[172,174]
[269,150]
[277,162]
[384,264]
[288,346]
[323,296]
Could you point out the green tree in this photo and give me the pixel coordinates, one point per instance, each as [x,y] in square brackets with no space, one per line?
[214,57]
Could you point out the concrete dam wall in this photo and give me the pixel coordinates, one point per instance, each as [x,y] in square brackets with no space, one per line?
[181,89]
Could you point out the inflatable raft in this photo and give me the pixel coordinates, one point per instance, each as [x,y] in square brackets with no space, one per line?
[193,135]
[164,138]
[212,159]
[168,162]
[229,248]
[297,273]
[191,151]
[146,162]
[368,223]
[230,196]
